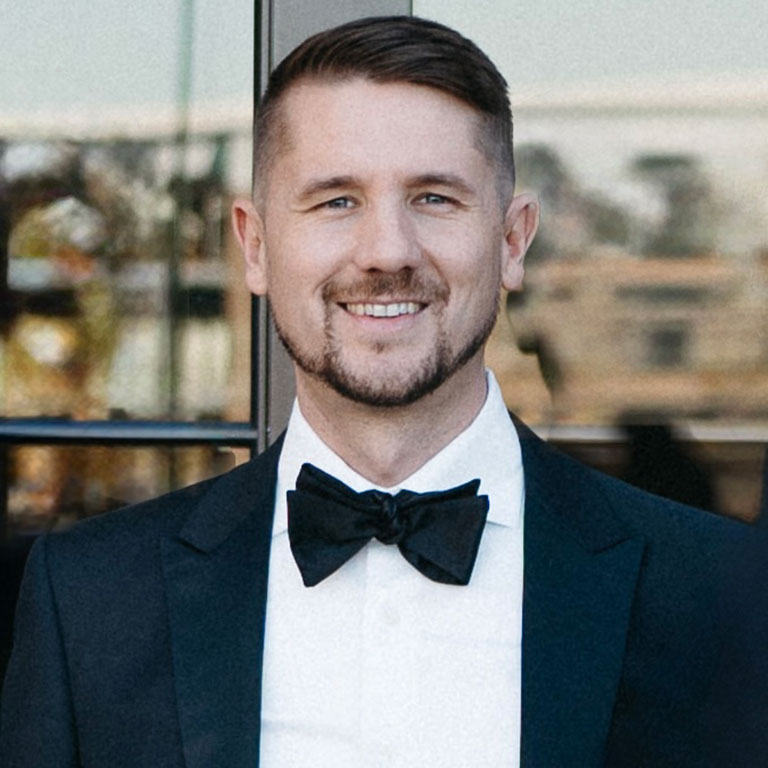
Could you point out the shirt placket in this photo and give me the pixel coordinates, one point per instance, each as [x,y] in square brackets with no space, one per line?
[389,674]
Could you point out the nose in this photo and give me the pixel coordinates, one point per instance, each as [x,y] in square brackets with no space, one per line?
[387,240]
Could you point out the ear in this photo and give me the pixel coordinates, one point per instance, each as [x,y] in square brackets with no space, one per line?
[520,224]
[249,230]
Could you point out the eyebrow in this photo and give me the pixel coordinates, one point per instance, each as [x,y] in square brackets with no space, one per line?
[330,184]
[442,180]
[432,179]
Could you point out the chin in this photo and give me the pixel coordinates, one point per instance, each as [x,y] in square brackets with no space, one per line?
[387,395]
[383,386]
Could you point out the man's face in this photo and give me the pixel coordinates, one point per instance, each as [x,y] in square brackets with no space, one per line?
[382,243]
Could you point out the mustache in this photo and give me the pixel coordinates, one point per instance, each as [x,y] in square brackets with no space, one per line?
[405,285]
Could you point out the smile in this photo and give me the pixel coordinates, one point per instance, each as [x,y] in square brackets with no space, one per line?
[384,310]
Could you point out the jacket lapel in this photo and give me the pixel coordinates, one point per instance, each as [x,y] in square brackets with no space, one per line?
[216,583]
[581,567]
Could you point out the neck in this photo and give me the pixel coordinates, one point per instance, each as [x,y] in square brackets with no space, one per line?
[386,445]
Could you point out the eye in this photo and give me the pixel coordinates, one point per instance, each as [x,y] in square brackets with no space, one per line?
[432,198]
[338,202]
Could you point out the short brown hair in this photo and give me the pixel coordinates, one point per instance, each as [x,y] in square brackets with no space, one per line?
[395,49]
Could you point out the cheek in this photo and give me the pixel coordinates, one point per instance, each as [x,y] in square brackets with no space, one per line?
[475,265]
[452,251]
[309,255]
[472,239]
[286,261]
[295,280]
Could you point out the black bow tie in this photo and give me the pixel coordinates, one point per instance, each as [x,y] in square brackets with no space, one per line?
[437,533]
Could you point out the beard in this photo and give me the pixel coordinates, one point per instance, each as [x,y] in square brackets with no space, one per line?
[387,391]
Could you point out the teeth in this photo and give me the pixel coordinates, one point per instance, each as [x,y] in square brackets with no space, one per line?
[385,310]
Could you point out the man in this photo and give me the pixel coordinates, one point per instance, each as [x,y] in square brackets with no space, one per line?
[383,226]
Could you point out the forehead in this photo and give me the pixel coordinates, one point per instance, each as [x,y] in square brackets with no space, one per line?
[376,125]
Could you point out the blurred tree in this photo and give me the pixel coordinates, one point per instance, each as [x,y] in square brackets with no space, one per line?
[574,219]
[540,170]
[688,227]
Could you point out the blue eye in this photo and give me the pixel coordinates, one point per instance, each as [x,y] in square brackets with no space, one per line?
[434,199]
[338,202]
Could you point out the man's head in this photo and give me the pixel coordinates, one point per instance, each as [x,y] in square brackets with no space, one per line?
[399,49]
[386,225]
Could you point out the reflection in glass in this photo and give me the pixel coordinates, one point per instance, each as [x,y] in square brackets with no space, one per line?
[726,477]
[120,286]
[52,486]
[647,285]
[648,306]
[117,298]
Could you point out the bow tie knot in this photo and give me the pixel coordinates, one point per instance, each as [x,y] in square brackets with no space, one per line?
[438,533]
[394,524]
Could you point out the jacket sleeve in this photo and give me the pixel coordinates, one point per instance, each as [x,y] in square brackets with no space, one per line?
[37,720]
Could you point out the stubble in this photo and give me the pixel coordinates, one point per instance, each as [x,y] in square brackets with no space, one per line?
[383,390]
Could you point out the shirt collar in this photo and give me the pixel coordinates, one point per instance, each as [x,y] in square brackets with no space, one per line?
[488,448]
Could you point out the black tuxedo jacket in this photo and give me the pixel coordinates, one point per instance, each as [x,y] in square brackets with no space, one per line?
[140,633]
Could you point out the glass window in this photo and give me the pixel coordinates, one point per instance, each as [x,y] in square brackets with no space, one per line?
[124,136]
[639,342]
[644,131]
[52,486]
[712,470]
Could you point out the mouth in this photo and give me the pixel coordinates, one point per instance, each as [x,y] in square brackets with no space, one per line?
[389,309]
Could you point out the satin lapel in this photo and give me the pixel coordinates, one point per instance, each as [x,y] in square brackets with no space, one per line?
[581,568]
[216,583]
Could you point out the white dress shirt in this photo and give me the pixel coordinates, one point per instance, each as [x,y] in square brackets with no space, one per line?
[380,666]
